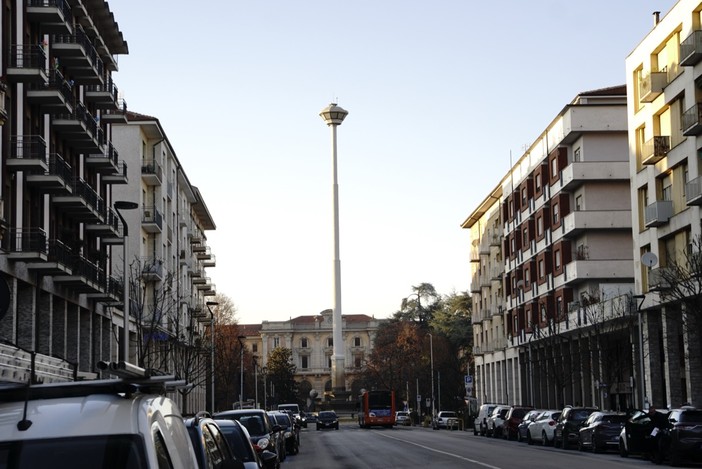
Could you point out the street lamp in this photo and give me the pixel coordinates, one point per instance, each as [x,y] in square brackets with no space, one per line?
[212,354]
[642,377]
[431,352]
[333,116]
[255,382]
[264,372]
[241,381]
[125,205]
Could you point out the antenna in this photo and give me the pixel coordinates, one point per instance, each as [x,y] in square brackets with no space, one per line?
[649,259]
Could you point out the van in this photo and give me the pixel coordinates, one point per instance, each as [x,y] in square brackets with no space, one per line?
[295,410]
[480,422]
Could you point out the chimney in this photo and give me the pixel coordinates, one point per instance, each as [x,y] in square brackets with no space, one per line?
[656,17]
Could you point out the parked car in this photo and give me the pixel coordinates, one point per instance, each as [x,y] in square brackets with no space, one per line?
[514,417]
[291,430]
[635,436]
[524,424]
[496,420]
[480,422]
[543,428]
[240,443]
[265,435]
[445,419]
[683,437]
[327,419]
[312,418]
[209,443]
[118,423]
[303,419]
[568,425]
[600,431]
[402,418]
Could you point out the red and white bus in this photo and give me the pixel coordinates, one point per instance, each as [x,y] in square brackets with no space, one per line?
[376,408]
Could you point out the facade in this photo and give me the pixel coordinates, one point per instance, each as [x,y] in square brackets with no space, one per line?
[311,340]
[552,269]
[665,122]
[67,155]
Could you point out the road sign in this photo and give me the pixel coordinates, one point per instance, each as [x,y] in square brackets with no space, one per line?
[469,385]
[419,398]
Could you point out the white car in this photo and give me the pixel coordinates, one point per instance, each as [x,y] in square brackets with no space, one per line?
[445,419]
[496,421]
[402,418]
[542,429]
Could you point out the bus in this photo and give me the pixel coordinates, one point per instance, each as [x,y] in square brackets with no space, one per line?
[376,408]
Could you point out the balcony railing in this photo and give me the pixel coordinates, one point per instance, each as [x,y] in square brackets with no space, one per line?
[53,15]
[27,153]
[693,191]
[655,149]
[27,63]
[78,56]
[652,85]
[151,220]
[57,178]
[151,172]
[28,240]
[120,177]
[103,96]
[658,213]
[54,97]
[691,49]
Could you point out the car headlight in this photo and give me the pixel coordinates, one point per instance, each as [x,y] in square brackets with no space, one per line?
[263,443]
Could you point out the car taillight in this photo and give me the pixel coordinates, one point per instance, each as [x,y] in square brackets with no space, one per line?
[551,423]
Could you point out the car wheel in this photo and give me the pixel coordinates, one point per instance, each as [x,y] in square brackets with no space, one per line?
[581,446]
[556,441]
[675,459]
[595,448]
[475,432]
[544,439]
[519,437]
[622,449]
[529,440]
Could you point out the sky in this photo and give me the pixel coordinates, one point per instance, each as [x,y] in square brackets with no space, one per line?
[442,95]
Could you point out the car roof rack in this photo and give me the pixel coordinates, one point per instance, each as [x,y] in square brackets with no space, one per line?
[131,380]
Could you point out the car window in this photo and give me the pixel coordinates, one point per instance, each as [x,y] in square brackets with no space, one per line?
[614,418]
[215,445]
[253,423]
[691,416]
[580,414]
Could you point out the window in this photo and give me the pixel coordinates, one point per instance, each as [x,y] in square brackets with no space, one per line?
[576,155]
[539,225]
[554,167]
[555,214]
[357,361]
[304,359]
[524,197]
[254,348]
[542,273]
[559,306]
[276,342]
[557,257]
[329,363]
[537,182]
[330,341]
[525,237]
[667,188]
[578,203]
[527,277]
[303,342]
[356,341]
[543,313]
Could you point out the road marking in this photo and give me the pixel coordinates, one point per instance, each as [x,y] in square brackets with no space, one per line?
[446,453]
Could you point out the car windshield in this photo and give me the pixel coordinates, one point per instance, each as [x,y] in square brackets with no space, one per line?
[327,415]
[614,418]
[691,416]
[253,423]
[111,451]
[448,414]
[580,414]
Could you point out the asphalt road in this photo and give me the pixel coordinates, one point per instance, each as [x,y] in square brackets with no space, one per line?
[351,447]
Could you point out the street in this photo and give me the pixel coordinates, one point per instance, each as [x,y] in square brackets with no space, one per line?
[415,447]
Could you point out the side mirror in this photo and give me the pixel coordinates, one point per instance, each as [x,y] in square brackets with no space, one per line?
[276,428]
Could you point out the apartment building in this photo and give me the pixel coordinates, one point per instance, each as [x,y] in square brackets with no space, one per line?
[665,124]
[67,155]
[552,274]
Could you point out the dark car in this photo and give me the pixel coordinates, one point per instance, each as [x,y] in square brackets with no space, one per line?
[524,424]
[210,445]
[514,417]
[567,430]
[240,443]
[291,430]
[264,434]
[327,419]
[682,439]
[600,431]
[635,437]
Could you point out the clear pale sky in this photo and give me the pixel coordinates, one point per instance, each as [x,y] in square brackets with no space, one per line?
[439,93]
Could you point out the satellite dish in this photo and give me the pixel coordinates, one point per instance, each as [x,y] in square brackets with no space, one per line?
[649,259]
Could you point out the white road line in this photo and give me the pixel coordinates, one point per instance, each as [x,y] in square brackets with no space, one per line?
[438,451]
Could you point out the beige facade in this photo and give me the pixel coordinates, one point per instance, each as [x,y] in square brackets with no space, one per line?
[551,258]
[664,94]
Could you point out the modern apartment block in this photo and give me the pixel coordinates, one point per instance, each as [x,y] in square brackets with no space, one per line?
[664,82]
[552,265]
[67,155]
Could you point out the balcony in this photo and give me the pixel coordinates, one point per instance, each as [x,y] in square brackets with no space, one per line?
[658,213]
[58,260]
[78,57]
[106,162]
[151,220]
[659,279]
[112,294]
[103,96]
[85,276]
[27,153]
[120,177]
[27,64]
[117,116]
[583,271]
[211,262]
[693,191]
[652,85]
[54,16]
[57,179]
[211,291]
[691,49]
[80,129]
[655,149]
[578,173]
[54,98]
[151,173]
[83,203]
[108,229]
[195,237]
[27,244]
[576,223]
[692,120]
[152,269]
[206,285]
[199,280]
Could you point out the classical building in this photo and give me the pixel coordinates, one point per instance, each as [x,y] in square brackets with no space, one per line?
[552,268]
[68,153]
[665,124]
[310,339]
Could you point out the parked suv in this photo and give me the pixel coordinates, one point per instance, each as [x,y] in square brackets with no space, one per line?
[512,420]
[496,420]
[567,429]
[265,435]
[480,422]
[445,419]
[684,435]
[116,423]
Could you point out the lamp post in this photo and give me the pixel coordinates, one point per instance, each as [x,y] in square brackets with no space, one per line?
[333,116]
[642,376]
[212,356]
[264,372]
[255,383]
[431,352]
[241,381]
[125,205]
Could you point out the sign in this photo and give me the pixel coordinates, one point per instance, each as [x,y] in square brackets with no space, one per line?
[428,402]
[468,379]
[419,398]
